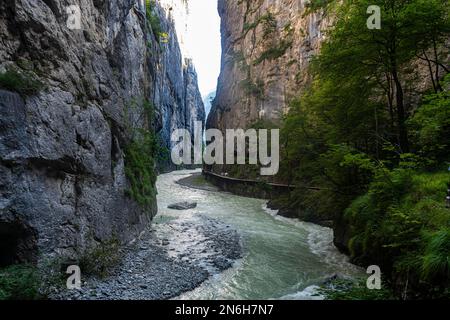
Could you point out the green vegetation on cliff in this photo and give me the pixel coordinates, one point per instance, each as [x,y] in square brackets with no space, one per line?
[140,167]
[21,82]
[378,162]
[99,261]
[140,154]
[154,22]
[19,282]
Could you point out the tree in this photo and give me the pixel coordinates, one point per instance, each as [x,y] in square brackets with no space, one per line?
[373,59]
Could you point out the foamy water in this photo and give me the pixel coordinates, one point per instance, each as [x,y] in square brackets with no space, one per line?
[283,258]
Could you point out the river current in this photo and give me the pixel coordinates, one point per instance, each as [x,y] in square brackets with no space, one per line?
[282,258]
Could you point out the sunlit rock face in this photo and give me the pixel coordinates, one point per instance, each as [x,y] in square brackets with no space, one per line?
[62,177]
[266,48]
[174,87]
[178,12]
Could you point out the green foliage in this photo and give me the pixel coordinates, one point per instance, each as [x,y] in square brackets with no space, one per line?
[140,168]
[101,260]
[142,152]
[269,24]
[22,82]
[155,22]
[249,26]
[52,274]
[342,289]
[19,282]
[315,5]
[274,52]
[251,88]
[349,147]
[251,171]
[402,222]
[263,124]
[243,171]
[430,125]
[436,259]
[371,61]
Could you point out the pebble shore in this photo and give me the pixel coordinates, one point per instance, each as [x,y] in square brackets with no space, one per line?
[169,259]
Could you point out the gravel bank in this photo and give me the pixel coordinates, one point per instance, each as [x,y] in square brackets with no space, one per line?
[169,259]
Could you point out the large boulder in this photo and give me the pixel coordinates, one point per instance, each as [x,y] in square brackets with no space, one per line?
[183,205]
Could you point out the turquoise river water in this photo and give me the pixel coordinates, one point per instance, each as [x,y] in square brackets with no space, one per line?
[283,258]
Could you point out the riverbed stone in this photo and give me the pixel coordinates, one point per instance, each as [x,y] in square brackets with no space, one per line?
[161,271]
[183,205]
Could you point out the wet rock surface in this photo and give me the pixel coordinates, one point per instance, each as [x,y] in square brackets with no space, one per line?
[167,260]
[183,205]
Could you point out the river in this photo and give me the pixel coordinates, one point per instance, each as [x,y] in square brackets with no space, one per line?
[282,258]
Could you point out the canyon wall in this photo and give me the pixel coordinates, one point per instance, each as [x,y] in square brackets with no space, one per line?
[63,185]
[266,49]
[174,89]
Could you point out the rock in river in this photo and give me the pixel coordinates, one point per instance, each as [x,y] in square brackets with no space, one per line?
[183,205]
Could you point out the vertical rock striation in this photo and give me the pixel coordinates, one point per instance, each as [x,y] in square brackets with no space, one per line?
[174,87]
[266,49]
[62,166]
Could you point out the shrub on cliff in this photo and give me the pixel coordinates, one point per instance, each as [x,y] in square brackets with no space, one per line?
[141,152]
[155,22]
[140,168]
[101,260]
[21,82]
[19,282]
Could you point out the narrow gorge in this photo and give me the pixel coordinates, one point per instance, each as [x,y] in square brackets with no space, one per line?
[92,92]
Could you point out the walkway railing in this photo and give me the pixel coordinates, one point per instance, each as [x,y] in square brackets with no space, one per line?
[278,185]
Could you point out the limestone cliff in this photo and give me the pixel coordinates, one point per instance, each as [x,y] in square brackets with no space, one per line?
[174,89]
[63,133]
[266,49]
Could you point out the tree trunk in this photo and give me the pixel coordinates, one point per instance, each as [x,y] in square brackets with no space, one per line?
[401,114]
[436,57]
[430,68]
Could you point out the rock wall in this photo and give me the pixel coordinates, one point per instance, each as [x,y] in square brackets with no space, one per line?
[266,49]
[267,46]
[174,88]
[62,177]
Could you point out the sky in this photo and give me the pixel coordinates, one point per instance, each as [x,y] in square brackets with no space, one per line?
[203,42]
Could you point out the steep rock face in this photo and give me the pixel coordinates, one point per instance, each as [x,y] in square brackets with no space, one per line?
[174,88]
[266,49]
[62,168]
[267,46]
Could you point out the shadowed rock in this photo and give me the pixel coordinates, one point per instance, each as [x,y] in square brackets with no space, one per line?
[63,185]
[183,205]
